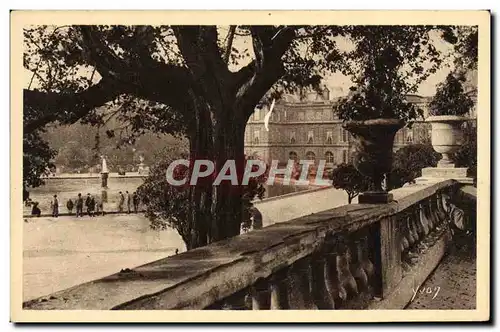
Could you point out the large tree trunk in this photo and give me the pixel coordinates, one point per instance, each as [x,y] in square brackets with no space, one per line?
[200,195]
[217,135]
[227,205]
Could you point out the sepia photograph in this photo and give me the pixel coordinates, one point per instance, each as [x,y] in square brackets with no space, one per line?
[217,165]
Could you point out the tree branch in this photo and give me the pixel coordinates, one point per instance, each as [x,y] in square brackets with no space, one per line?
[198,46]
[254,80]
[230,37]
[41,108]
[107,63]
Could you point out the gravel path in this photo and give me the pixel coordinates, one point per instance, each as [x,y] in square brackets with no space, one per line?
[63,252]
[452,285]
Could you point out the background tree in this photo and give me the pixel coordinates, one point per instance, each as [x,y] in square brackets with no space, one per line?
[466,155]
[37,156]
[450,97]
[177,79]
[408,163]
[347,177]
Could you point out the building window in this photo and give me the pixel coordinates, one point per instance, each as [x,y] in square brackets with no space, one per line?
[292,137]
[329,137]
[344,135]
[257,114]
[409,136]
[310,155]
[293,155]
[310,137]
[344,156]
[329,157]
[256,137]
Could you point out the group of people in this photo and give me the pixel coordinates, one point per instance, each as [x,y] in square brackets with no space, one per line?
[126,199]
[93,205]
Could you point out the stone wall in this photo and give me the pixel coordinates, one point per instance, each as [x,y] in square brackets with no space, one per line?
[351,257]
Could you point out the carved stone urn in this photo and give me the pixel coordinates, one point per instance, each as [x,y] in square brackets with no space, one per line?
[372,154]
[447,136]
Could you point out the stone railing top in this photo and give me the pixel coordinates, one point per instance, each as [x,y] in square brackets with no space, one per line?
[469,192]
[197,278]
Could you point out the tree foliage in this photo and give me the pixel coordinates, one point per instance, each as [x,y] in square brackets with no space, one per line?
[37,156]
[406,167]
[79,147]
[348,178]
[450,97]
[391,62]
[466,155]
[408,163]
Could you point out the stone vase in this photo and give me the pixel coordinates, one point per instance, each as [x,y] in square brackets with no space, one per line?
[446,137]
[372,151]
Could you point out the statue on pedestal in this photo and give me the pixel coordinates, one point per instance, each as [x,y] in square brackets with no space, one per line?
[104,179]
[142,169]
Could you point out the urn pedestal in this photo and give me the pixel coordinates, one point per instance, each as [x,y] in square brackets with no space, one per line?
[104,187]
[372,151]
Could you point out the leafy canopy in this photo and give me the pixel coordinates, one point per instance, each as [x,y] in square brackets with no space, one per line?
[450,97]
[348,178]
[408,163]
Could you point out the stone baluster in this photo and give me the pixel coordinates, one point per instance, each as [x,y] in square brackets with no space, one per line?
[300,294]
[417,216]
[418,224]
[323,299]
[424,217]
[337,292]
[412,254]
[261,295]
[432,212]
[404,231]
[440,207]
[363,268]
[413,230]
[411,237]
[279,290]
[345,278]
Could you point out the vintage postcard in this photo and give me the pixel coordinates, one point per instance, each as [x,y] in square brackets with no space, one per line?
[205,166]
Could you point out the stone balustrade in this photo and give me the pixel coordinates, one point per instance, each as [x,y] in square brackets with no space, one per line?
[355,256]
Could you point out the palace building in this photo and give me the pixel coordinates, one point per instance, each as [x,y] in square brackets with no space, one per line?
[307,127]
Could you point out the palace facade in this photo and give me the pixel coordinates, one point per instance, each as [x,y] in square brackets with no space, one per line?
[307,127]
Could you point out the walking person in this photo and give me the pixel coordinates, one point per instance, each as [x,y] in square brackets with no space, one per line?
[92,206]
[88,202]
[121,202]
[135,201]
[69,206]
[127,197]
[55,207]
[99,209]
[79,206]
